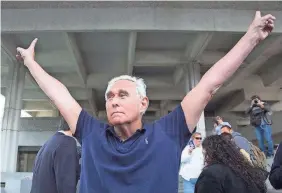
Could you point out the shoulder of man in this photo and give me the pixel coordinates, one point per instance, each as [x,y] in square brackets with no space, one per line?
[68,141]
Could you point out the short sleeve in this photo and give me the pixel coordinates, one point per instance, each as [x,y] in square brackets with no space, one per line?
[174,125]
[86,124]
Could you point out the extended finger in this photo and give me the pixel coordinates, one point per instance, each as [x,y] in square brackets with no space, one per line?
[258,14]
[33,43]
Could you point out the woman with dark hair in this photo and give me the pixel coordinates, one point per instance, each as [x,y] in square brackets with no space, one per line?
[227,170]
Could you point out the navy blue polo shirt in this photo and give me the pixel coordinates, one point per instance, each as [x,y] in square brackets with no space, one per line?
[147,162]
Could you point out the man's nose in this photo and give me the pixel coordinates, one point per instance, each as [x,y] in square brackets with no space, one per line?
[115,102]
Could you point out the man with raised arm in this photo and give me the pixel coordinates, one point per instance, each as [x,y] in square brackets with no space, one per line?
[125,155]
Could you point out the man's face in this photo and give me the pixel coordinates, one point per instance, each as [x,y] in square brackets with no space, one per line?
[123,104]
[255,100]
[197,140]
[225,130]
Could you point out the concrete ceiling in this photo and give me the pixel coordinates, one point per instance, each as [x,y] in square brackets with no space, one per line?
[84,48]
[275,6]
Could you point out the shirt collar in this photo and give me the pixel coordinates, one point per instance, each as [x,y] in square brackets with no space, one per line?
[111,130]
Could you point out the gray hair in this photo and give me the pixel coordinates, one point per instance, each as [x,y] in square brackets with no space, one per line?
[140,85]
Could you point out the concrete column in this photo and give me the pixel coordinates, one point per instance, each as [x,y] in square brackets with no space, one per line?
[11,118]
[7,114]
[158,114]
[191,79]
[163,108]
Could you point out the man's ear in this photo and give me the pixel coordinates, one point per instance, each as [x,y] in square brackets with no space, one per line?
[144,104]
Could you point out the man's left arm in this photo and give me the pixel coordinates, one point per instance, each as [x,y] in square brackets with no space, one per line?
[196,100]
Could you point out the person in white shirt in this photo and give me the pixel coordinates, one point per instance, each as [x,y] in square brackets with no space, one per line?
[192,163]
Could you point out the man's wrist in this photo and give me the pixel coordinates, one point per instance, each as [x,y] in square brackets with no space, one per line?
[252,38]
[28,61]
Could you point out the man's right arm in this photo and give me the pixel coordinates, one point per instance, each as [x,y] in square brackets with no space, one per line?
[53,88]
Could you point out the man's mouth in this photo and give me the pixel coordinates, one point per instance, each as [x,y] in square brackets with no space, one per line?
[116,113]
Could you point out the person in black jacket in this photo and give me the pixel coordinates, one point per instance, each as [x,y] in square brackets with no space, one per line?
[275,176]
[227,170]
[56,167]
[260,118]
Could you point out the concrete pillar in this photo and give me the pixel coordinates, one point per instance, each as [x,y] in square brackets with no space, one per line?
[11,118]
[191,79]
[158,114]
[163,108]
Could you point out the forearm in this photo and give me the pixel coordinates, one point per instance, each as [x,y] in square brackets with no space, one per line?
[57,92]
[50,86]
[227,66]
[214,78]
[53,88]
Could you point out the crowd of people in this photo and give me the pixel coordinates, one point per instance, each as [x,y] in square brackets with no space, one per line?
[230,150]
[228,162]
[126,156]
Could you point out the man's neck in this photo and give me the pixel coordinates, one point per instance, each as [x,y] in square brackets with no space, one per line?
[125,131]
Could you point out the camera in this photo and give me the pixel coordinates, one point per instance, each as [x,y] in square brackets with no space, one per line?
[255,102]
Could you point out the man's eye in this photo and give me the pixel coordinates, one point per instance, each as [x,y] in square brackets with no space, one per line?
[110,96]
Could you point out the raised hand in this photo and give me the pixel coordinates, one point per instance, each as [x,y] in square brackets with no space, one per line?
[26,54]
[190,150]
[261,27]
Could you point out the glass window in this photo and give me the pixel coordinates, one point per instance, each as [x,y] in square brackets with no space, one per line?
[26,158]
